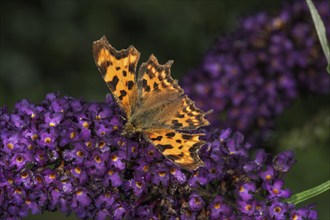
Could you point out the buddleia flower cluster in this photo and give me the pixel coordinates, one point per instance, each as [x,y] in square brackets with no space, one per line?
[67,155]
[250,76]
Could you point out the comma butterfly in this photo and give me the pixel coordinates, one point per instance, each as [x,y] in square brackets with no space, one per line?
[154,103]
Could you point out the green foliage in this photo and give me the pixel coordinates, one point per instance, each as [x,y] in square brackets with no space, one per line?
[320,29]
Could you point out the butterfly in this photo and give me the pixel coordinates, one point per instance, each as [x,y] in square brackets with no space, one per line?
[154,104]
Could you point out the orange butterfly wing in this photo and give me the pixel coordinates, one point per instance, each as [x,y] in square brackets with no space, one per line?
[118,71]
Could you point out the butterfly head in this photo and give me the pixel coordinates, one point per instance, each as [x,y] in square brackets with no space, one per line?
[129,130]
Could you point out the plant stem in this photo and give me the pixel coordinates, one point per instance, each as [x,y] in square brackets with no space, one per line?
[307,194]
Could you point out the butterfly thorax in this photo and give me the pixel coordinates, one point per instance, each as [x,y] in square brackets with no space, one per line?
[130,130]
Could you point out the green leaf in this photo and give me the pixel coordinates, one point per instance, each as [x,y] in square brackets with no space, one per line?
[307,194]
[320,29]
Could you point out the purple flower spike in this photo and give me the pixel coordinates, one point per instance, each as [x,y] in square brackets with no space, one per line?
[105,200]
[246,190]
[304,213]
[81,200]
[219,209]
[278,210]
[284,161]
[53,119]
[250,76]
[275,190]
[196,203]
[104,174]
[268,174]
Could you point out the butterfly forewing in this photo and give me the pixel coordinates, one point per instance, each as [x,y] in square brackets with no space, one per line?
[118,71]
[154,78]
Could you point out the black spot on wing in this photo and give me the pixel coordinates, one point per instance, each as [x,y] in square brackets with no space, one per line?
[108,63]
[199,117]
[160,69]
[131,68]
[144,85]
[190,113]
[156,86]
[124,73]
[123,93]
[117,68]
[130,84]
[190,122]
[150,73]
[186,136]
[173,157]
[163,147]
[176,123]
[113,83]
[170,135]
[158,138]
[195,147]
[103,68]
[147,89]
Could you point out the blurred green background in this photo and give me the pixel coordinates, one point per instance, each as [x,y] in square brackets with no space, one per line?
[46,47]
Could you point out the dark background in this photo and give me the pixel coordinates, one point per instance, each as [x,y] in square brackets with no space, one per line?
[46,47]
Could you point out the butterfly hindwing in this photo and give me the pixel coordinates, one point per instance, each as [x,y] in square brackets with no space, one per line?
[118,71]
[187,117]
[154,78]
[156,86]
[180,148]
